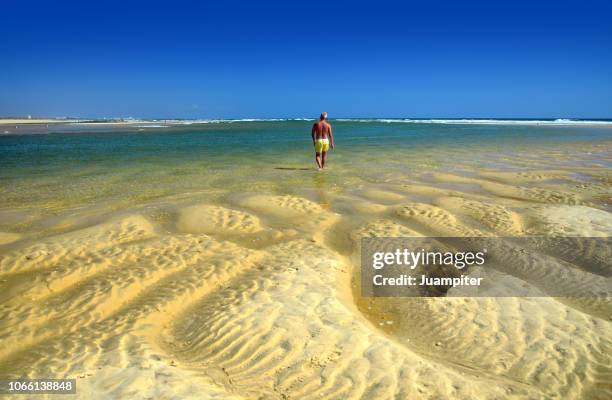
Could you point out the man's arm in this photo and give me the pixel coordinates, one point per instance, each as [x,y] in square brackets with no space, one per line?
[331,137]
[314,127]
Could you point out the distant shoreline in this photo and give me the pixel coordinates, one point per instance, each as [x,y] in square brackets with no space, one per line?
[160,123]
[43,121]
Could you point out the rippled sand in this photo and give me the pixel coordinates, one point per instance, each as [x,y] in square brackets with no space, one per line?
[256,295]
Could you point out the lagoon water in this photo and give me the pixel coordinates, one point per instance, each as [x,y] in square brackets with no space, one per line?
[70,166]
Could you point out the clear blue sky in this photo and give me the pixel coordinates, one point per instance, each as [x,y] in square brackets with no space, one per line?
[231,59]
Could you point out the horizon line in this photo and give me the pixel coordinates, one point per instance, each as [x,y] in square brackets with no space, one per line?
[130,118]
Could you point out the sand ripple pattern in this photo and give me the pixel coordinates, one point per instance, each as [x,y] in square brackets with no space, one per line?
[210,219]
[208,311]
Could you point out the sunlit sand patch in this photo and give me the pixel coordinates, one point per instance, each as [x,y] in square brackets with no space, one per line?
[498,218]
[539,342]
[210,219]
[275,323]
[283,332]
[574,221]
[87,292]
[152,379]
[206,315]
[291,212]
[55,250]
[434,221]
[525,177]
[539,195]
[139,287]
[383,228]
[317,225]
[279,206]
[581,283]
[536,195]
[8,237]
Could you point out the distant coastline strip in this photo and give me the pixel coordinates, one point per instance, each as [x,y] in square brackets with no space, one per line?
[444,121]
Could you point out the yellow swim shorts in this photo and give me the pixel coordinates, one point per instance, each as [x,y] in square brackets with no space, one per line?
[321,145]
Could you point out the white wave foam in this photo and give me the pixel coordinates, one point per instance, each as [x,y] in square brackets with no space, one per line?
[159,123]
[221,121]
[560,121]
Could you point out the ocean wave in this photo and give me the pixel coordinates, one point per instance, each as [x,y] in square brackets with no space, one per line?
[221,121]
[159,123]
[559,121]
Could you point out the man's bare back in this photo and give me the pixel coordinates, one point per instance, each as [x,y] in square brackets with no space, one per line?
[322,139]
[321,129]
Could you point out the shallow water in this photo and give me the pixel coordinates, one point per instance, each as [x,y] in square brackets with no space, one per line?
[68,168]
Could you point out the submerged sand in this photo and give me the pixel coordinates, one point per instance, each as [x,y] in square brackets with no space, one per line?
[256,295]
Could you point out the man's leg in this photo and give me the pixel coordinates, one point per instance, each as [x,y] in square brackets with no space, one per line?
[323,153]
[318,160]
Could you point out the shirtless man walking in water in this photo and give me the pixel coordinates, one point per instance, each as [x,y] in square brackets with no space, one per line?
[322,139]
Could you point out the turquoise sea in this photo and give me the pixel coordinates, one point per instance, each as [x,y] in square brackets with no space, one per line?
[64,167]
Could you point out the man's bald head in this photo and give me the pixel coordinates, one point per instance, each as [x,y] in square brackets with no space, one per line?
[323,116]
